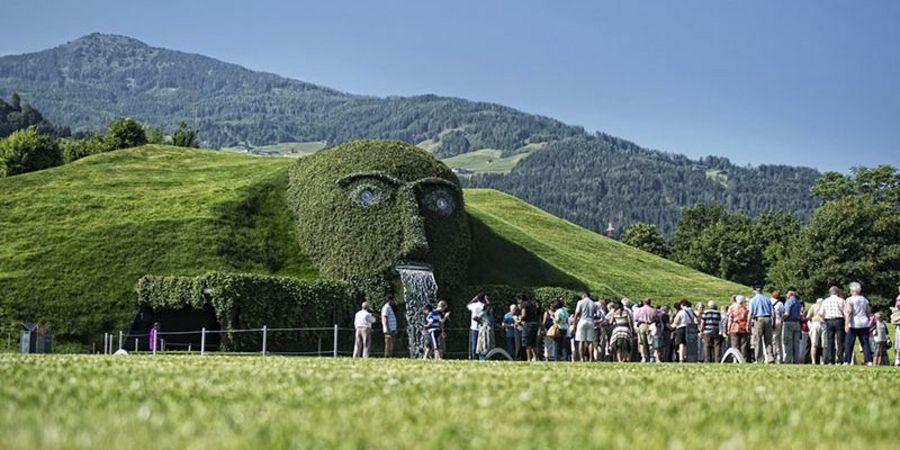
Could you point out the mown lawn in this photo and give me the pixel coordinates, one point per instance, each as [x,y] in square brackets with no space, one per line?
[608,267]
[274,402]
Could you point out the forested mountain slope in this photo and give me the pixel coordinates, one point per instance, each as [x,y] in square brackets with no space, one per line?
[589,179]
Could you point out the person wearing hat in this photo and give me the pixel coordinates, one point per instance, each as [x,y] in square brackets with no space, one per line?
[790,328]
[363,322]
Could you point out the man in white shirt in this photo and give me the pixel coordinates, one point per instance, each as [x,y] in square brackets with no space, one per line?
[388,325]
[475,307]
[363,322]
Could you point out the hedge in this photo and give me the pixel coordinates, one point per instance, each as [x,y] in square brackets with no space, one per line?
[250,301]
[363,206]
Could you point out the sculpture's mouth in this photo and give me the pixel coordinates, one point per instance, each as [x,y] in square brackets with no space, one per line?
[412,265]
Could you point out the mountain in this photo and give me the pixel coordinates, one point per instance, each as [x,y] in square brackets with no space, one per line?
[75,239]
[589,179]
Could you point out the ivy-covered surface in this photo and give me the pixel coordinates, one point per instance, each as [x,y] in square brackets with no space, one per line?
[364,206]
[250,301]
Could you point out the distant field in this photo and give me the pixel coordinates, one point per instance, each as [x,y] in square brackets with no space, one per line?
[293,149]
[163,402]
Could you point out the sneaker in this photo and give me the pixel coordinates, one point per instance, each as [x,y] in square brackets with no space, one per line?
[868,364]
[845,364]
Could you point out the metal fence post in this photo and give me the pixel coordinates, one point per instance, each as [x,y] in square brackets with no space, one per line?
[264,341]
[135,345]
[120,340]
[335,341]
[105,342]
[202,341]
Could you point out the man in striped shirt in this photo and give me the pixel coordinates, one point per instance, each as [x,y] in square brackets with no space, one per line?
[833,311]
[709,323]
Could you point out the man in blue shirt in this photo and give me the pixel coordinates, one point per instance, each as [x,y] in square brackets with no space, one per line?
[509,330]
[432,332]
[761,317]
[791,332]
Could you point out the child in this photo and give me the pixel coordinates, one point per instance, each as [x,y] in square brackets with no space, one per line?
[879,338]
[432,332]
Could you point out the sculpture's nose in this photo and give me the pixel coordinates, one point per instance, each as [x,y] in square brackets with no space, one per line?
[415,240]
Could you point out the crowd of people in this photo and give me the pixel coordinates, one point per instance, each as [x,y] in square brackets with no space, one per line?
[766,328]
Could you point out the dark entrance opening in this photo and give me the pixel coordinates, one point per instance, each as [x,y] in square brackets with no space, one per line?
[179,328]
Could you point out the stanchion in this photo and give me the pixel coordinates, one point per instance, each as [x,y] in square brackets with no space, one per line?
[202,341]
[335,341]
[121,342]
[264,341]
[135,345]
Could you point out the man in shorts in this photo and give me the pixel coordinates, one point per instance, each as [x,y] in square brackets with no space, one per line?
[585,313]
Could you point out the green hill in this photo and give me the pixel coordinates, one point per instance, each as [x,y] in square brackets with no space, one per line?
[74,239]
[587,178]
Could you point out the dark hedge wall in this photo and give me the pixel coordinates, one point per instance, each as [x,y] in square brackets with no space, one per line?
[251,301]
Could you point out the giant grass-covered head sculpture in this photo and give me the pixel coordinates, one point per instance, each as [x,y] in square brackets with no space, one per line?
[364,207]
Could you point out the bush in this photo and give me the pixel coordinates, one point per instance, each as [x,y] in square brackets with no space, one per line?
[184,136]
[26,151]
[125,133]
[75,149]
[251,301]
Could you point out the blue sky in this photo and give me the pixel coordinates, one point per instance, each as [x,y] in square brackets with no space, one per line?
[813,83]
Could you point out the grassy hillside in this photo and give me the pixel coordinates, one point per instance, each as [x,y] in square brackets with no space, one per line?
[74,239]
[603,265]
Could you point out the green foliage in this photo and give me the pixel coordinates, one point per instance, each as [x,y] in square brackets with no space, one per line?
[75,149]
[605,178]
[27,151]
[155,134]
[184,136]
[732,246]
[854,236]
[125,133]
[14,117]
[250,301]
[365,206]
[647,238]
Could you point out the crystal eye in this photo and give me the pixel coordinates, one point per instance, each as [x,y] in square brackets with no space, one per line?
[366,197]
[440,202]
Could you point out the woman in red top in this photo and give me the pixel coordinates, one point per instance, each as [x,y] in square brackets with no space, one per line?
[739,327]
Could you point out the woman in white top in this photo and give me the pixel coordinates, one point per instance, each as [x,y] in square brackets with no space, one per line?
[856,324]
[680,323]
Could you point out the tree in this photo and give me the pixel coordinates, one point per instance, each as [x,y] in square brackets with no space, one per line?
[155,135]
[15,101]
[26,151]
[646,237]
[184,136]
[75,149]
[125,133]
[853,236]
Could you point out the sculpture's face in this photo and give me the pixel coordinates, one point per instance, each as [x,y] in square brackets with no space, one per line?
[366,206]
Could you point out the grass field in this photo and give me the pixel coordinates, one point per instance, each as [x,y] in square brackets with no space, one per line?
[603,265]
[253,402]
[75,239]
